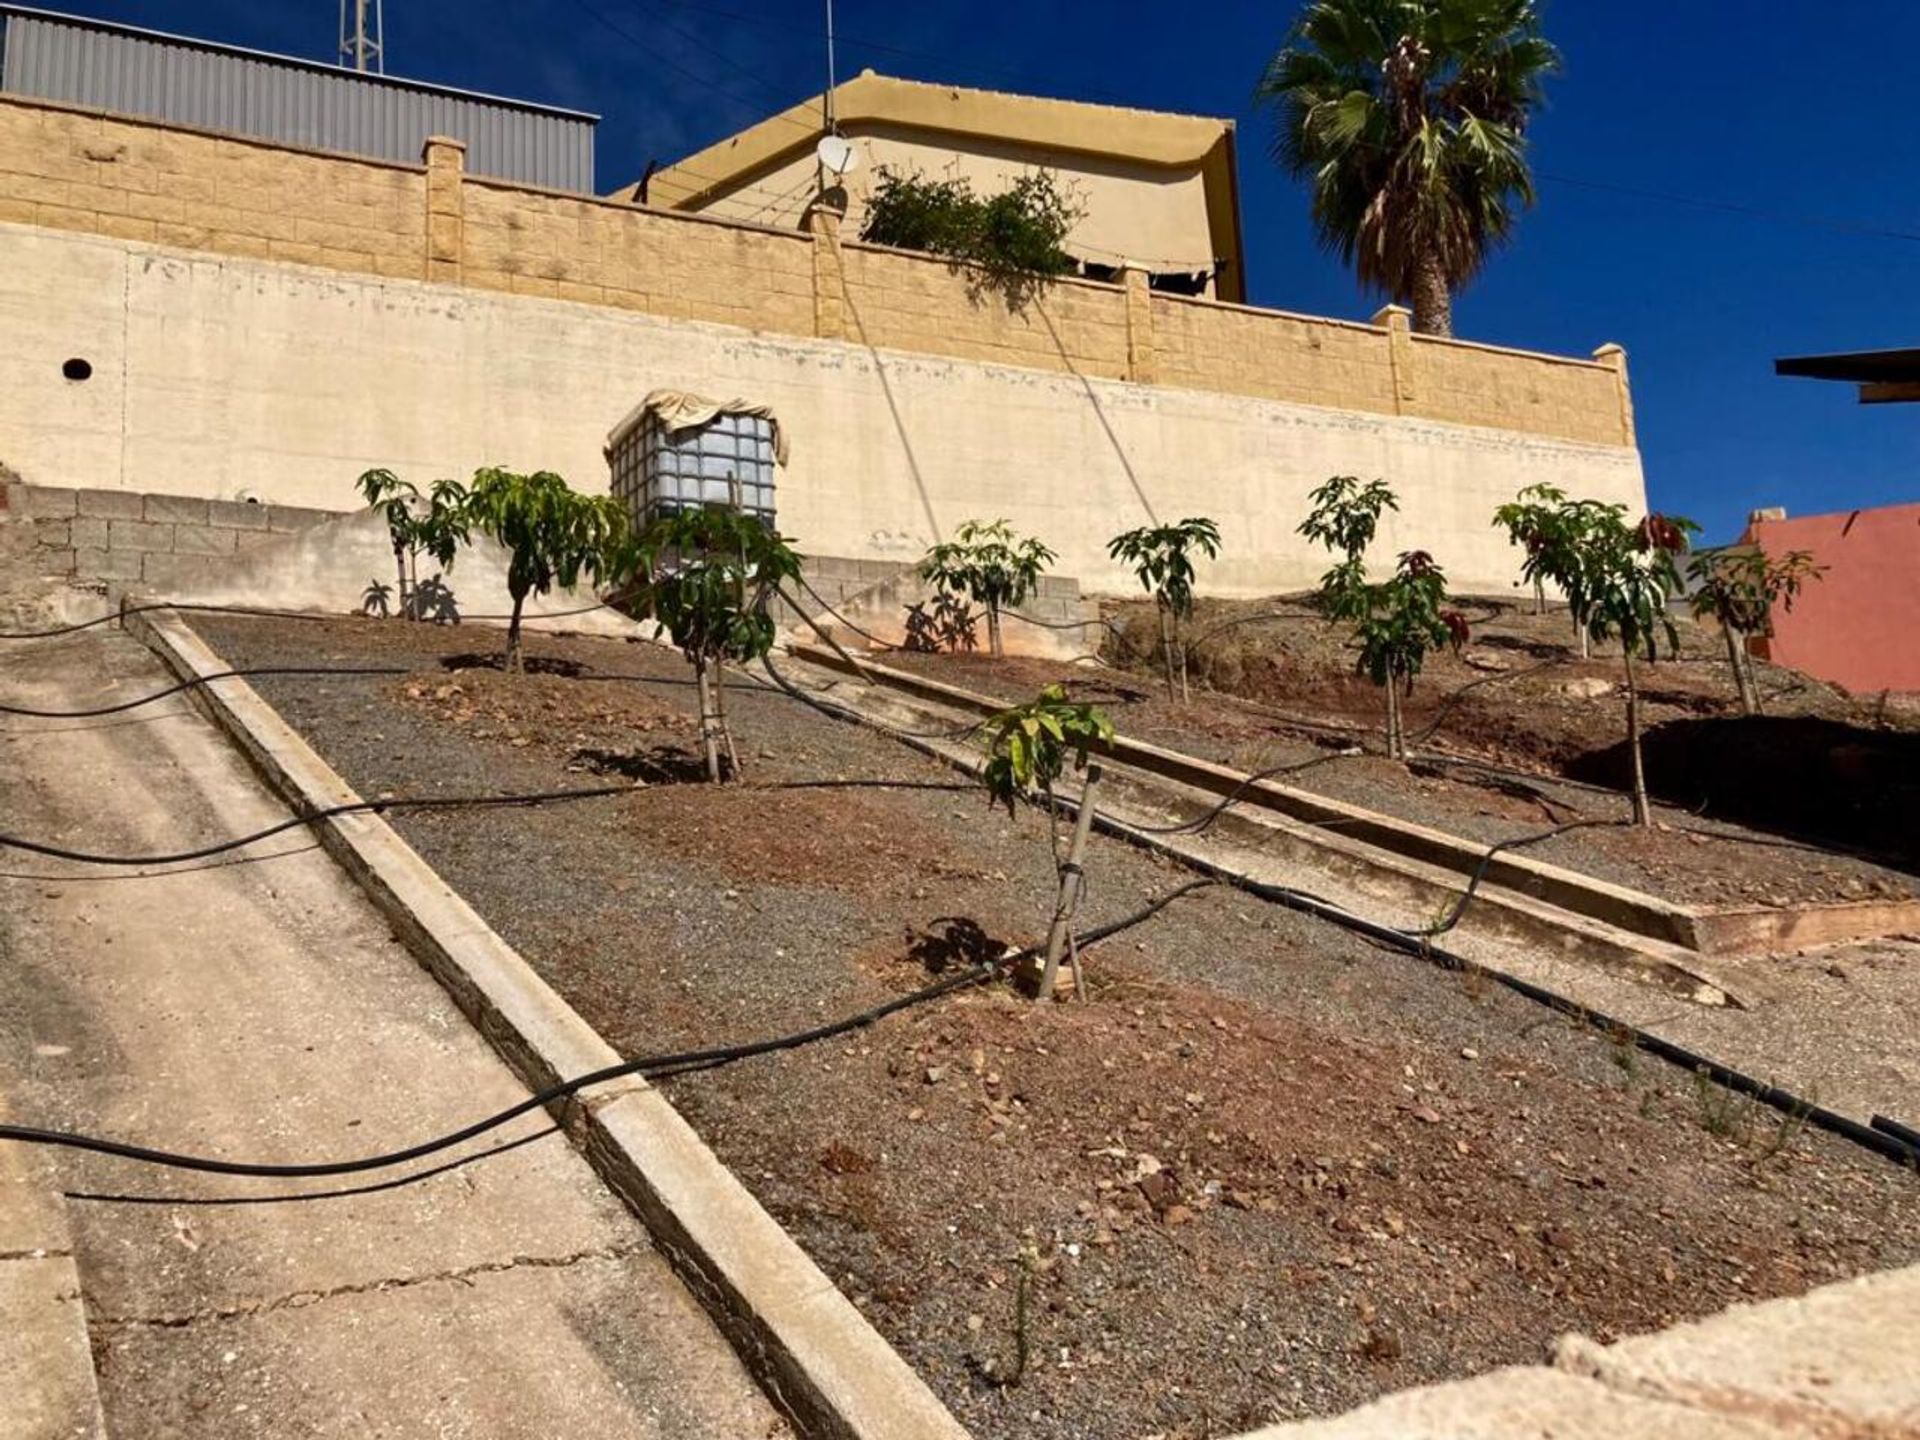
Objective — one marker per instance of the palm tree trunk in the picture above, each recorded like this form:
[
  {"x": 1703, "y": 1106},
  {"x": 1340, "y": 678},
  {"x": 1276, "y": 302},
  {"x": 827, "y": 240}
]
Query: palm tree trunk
[
  {"x": 1432, "y": 297},
  {"x": 1642, "y": 809}
]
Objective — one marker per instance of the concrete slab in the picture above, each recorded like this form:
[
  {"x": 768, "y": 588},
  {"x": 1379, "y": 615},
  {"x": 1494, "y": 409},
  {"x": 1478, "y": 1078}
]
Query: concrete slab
[
  {"x": 259, "y": 1008},
  {"x": 1843, "y": 1360},
  {"x": 46, "y": 1372},
  {"x": 1521, "y": 1404}
]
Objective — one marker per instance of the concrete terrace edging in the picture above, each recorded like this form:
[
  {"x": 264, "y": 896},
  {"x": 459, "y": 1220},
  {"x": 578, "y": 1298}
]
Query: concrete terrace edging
[
  {"x": 1730, "y": 934},
  {"x": 811, "y": 1350},
  {"x": 1499, "y": 912},
  {"x": 46, "y": 1358}
]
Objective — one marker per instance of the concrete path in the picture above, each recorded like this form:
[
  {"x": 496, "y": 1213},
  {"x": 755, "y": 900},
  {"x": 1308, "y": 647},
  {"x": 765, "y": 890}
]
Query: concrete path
[{"x": 262, "y": 1011}]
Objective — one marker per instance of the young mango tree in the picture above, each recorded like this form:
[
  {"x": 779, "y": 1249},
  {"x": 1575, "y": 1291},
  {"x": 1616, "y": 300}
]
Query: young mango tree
[
  {"x": 1622, "y": 583},
  {"x": 1028, "y": 749},
  {"x": 1162, "y": 556},
  {"x": 1345, "y": 517},
  {"x": 396, "y": 501},
  {"x": 1740, "y": 587},
  {"x": 552, "y": 534},
  {"x": 1398, "y": 623},
  {"x": 706, "y": 576},
  {"x": 989, "y": 564},
  {"x": 1532, "y": 520}
]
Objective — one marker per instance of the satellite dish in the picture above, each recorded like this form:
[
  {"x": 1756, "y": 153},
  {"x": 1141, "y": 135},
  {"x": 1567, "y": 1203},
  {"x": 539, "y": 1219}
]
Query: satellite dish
[{"x": 837, "y": 154}]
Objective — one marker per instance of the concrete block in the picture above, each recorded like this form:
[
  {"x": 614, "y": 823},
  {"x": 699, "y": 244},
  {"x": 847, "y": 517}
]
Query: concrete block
[
  {"x": 110, "y": 504},
  {"x": 39, "y": 500},
  {"x": 203, "y": 540},
  {"x": 291, "y": 519},
  {"x": 1836, "y": 1361},
  {"x": 88, "y": 533},
  {"x": 237, "y": 514},
  {"x": 173, "y": 572},
  {"x": 46, "y": 1366},
  {"x": 140, "y": 535},
  {"x": 97, "y": 563},
  {"x": 1521, "y": 1404},
  {"x": 55, "y": 562},
  {"x": 54, "y": 534},
  {"x": 178, "y": 509}
]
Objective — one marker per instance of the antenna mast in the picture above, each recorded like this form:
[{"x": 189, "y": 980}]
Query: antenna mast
[
  {"x": 361, "y": 31},
  {"x": 827, "y": 103}
]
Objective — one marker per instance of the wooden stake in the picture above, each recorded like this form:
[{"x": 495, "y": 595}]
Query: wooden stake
[
  {"x": 1071, "y": 877},
  {"x": 707, "y": 742}
]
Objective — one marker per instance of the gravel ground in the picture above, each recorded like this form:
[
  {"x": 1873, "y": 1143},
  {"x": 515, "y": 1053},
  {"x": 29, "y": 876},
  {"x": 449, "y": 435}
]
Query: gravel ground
[
  {"x": 1685, "y": 858},
  {"x": 1265, "y": 1172}
]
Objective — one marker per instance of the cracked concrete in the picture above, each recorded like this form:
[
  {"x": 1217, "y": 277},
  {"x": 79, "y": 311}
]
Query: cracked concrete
[{"x": 262, "y": 1011}]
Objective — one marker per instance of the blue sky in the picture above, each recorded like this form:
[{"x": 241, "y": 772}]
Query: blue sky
[{"x": 1798, "y": 110}]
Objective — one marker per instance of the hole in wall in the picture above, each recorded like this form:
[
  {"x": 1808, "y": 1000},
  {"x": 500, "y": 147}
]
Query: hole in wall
[{"x": 77, "y": 369}]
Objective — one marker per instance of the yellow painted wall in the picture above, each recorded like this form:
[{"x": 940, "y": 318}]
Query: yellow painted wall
[
  {"x": 1152, "y": 215},
  {"x": 72, "y": 170}
]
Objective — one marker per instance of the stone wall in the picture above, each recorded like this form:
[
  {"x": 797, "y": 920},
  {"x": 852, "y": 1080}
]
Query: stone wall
[
  {"x": 69, "y": 169},
  {"x": 161, "y": 543}
]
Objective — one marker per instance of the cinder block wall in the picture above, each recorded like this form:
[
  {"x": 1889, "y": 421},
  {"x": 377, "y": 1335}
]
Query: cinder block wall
[{"x": 157, "y": 542}]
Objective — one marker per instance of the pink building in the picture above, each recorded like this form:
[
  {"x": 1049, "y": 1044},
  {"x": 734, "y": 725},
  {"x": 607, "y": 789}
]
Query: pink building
[{"x": 1859, "y": 624}]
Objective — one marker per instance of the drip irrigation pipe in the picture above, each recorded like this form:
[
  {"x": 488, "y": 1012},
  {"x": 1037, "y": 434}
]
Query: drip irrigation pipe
[
  {"x": 263, "y": 614},
  {"x": 847, "y": 713},
  {"x": 652, "y": 1066},
  {"x": 355, "y": 807},
  {"x": 199, "y": 680}
]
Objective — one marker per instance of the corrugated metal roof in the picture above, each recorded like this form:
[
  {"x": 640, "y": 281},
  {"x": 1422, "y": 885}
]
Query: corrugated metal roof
[{"x": 286, "y": 99}]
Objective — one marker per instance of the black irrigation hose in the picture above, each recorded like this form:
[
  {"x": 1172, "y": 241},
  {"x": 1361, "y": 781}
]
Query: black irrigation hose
[
  {"x": 199, "y": 680},
  {"x": 254, "y": 611},
  {"x": 355, "y": 807},
  {"x": 653, "y": 1066}
]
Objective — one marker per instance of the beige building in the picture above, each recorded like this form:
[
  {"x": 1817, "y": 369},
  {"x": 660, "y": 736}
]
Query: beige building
[{"x": 1157, "y": 191}]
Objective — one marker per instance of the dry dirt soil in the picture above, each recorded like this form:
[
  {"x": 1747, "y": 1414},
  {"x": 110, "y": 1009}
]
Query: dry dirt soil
[
  {"x": 1811, "y": 802},
  {"x": 1264, "y": 1171}
]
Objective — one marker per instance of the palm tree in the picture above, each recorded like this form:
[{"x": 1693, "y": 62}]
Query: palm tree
[{"x": 1409, "y": 119}]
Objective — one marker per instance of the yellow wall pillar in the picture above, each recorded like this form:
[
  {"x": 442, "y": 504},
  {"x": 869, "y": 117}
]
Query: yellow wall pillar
[
  {"x": 1397, "y": 321},
  {"x": 829, "y": 284},
  {"x": 1614, "y": 357},
  {"x": 446, "y": 161},
  {"x": 1143, "y": 356}
]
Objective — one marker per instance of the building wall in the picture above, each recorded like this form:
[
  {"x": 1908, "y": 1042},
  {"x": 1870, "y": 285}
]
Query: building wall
[
  {"x": 1152, "y": 215},
  {"x": 1856, "y": 625},
  {"x": 81, "y": 171},
  {"x": 227, "y": 377}
]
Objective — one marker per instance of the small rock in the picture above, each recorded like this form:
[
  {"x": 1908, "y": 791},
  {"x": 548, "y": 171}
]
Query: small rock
[
  {"x": 1469, "y": 1053},
  {"x": 1426, "y": 1115},
  {"x": 1586, "y": 687},
  {"x": 935, "y": 1074},
  {"x": 1176, "y": 1215}
]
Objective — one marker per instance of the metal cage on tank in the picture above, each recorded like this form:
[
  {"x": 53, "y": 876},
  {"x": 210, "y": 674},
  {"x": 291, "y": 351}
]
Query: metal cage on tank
[{"x": 675, "y": 452}]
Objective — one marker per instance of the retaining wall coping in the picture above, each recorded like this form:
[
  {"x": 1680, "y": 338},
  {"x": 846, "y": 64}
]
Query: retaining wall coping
[{"x": 813, "y": 1351}]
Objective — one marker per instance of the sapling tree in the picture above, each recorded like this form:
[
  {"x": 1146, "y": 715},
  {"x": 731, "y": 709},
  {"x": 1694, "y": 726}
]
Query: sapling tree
[
  {"x": 552, "y": 534},
  {"x": 395, "y": 500},
  {"x": 989, "y": 564},
  {"x": 1623, "y": 578},
  {"x": 1532, "y": 520},
  {"x": 1398, "y": 623},
  {"x": 1028, "y": 749},
  {"x": 1739, "y": 587},
  {"x": 1162, "y": 556},
  {"x": 706, "y": 576},
  {"x": 1345, "y": 516}
]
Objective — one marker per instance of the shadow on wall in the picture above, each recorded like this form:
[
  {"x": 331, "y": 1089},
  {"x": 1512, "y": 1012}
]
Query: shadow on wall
[{"x": 1798, "y": 776}]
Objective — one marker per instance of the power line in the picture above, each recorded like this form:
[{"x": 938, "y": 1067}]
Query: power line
[{"x": 1781, "y": 217}]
